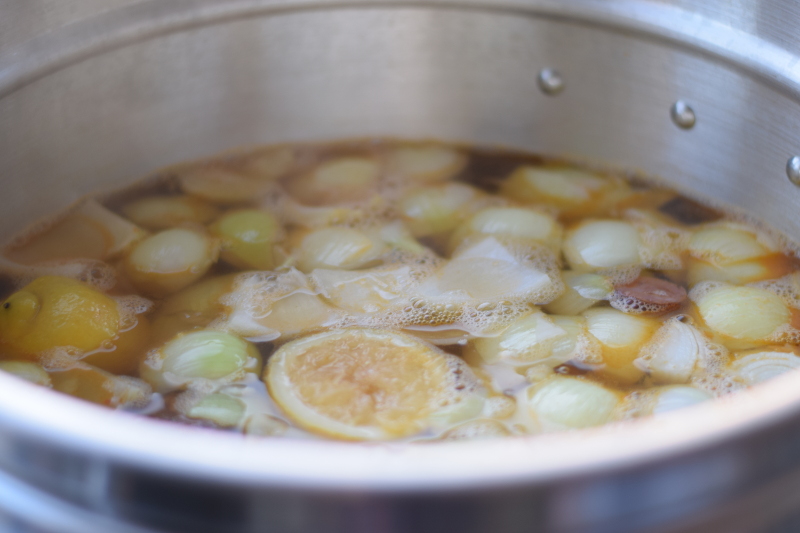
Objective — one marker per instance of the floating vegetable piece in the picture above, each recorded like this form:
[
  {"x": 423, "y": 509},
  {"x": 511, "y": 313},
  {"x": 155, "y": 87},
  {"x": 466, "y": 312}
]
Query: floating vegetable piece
[
  {"x": 487, "y": 270},
  {"x": 203, "y": 298},
  {"x": 339, "y": 181},
  {"x": 366, "y": 291},
  {"x": 89, "y": 231},
  {"x": 167, "y": 262},
  {"x": 397, "y": 237},
  {"x": 722, "y": 245},
  {"x": 264, "y": 425},
  {"x": 570, "y": 403},
  {"x": 622, "y": 336},
  {"x": 294, "y": 213},
  {"x": 673, "y": 353},
  {"x": 581, "y": 292},
  {"x": 338, "y": 248},
  {"x": 424, "y": 163},
  {"x": 55, "y": 311},
  {"x": 297, "y": 313},
  {"x": 646, "y": 295},
  {"x": 678, "y": 397},
  {"x": 201, "y": 360},
  {"x": 221, "y": 409},
  {"x": 741, "y": 313},
  {"x": 527, "y": 340},
  {"x": 477, "y": 429},
  {"x": 264, "y": 306},
  {"x": 659, "y": 400},
  {"x": 663, "y": 245},
  {"x": 571, "y": 190},
  {"x": 28, "y": 371},
  {"x": 164, "y": 212},
  {"x": 225, "y": 183},
  {"x": 434, "y": 210},
  {"x": 101, "y": 387},
  {"x": 270, "y": 164},
  {"x": 576, "y": 343},
  {"x": 513, "y": 222},
  {"x": 770, "y": 266},
  {"x": 247, "y": 237},
  {"x": 602, "y": 244},
  {"x": 760, "y": 365},
  {"x": 368, "y": 384}
]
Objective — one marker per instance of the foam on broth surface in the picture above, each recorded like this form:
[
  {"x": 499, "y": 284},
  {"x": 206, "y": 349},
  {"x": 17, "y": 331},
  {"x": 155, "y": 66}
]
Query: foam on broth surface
[{"x": 374, "y": 290}]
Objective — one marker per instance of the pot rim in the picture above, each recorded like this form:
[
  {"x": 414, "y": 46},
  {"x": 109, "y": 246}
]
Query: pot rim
[
  {"x": 166, "y": 447},
  {"x": 52, "y": 51}
]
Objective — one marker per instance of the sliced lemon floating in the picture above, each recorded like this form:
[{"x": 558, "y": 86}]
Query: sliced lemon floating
[{"x": 366, "y": 384}]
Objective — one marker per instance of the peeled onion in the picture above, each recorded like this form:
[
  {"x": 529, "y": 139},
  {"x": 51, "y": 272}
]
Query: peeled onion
[
  {"x": 567, "y": 188},
  {"x": 168, "y": 261},
  {"x": 767, "y": 267},
  {"x": 622, "y": 336},
  {"x": 477, "y": 429},
  {"x": 222, "y": 184},
  {"x": 673, "y": 353},
  {"x": 435, "y": 210},
  {"x": 742, "y": 313},
  {"x": 270, "y": 164},
  {"x": 247, "y": 238},
  {"x": 563, "y": 402},
  {"x": 297, "y": 214},
  {"x": 337, "y": 248},
  {"x": 510, "y": 222},
  {"x": 221, "y": 409},
  {"x": 602, "y": 244},
  {"x": 722, "y": 245},
  {"x": 565, "y": 346},
  {"x": 338, "y": 181},
  {"x": 581, "y": 292},
  {"x": 677, "y": 397},
  {"x": 425, "y": 163},
  {"x": 527, "y": 340},
  {"x": 760, "y": 365},
  {"x": 28, "y": 371},
  {"x": 90, "y": 231},
  {"x": 162, "y": 212},
  {"x": 202, "y": 360}
]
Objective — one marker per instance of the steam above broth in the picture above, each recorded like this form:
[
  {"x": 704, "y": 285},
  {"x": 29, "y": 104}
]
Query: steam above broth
[{"x": 378, "y": 290}]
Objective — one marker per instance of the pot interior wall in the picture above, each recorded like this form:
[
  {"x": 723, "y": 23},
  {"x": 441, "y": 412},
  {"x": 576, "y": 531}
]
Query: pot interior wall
[{"x": 404, "y": 72}]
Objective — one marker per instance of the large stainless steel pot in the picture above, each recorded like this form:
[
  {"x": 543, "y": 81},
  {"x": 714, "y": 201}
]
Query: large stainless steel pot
[{"x": 115, "y": 94}]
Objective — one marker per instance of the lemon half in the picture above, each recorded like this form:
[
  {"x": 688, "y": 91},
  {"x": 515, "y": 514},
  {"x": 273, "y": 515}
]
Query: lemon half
[{"x": 366, "y": 384}]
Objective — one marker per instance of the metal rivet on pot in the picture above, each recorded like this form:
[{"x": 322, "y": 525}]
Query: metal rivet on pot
[
  {"x": 793, "y": 170},
  {"x": 550, "y": 81},
  {"x": 682, "y": 115}
]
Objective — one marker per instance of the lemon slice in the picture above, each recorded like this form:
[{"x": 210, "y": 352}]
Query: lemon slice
[{"x": 366, "y": 384}]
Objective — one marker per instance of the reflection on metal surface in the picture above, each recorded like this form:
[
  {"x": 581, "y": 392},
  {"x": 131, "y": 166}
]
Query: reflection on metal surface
[
  {"x": 550, "y": 81},
  {"x": 793, "y": 170},
  {"x": 682, "y": 115}
]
